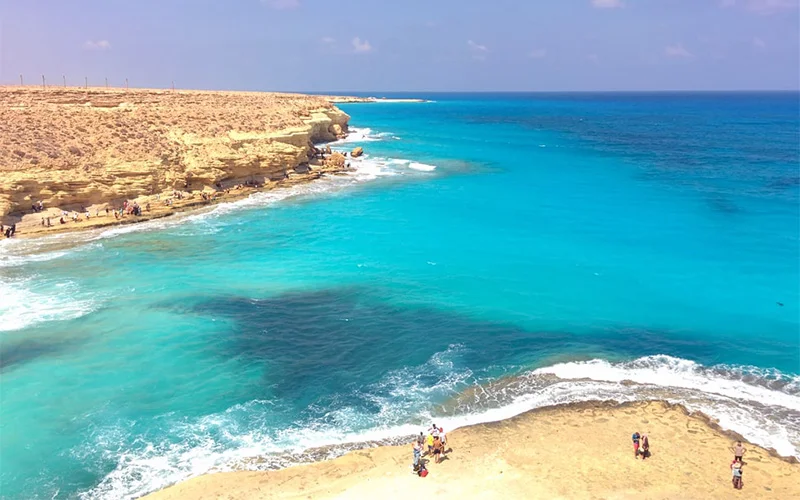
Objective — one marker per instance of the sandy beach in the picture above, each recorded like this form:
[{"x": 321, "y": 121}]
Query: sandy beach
[{"x": 571, "y": 451}]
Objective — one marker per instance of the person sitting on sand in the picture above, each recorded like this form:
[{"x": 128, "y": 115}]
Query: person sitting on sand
[
  {"x": 62, "y": 221},
  {"x": 736, "y": 473},
  {"x": 636, "y": 436},
  {"x": 738, "y": 452},
  {"x": 438, "y": 449}
]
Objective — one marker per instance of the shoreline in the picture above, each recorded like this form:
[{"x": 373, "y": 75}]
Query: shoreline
[
  {"x": 190, "y": 204},
  {"x": 503, "y": 457}
]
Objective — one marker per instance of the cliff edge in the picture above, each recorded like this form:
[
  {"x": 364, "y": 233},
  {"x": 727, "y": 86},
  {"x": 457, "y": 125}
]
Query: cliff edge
[{"x": 71, "y": 148}]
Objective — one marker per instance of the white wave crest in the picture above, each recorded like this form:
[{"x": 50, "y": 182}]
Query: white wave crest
[
  {"x": 423, "y": 167},
  {"x": 25, "y": 304},
  {"x": 667, "y": 371},
  {"x": 356, "y": 134}
]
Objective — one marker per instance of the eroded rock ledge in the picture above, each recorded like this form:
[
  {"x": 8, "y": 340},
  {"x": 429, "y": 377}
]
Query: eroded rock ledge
[{"x": 78, "y": 147}]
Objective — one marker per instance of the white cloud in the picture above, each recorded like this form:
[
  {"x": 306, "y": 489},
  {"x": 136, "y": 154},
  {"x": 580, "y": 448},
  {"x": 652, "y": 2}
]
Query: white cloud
[
  {"x": 607, "y": 4},
  {"x": 282, "y": 4},
  {"x": 759, "y": 43},
  {"x": 538, "y": 53},
  {"x": 96, "y": 45},
  {"x": 361, "y": 46},
  {"x": 762, "y": 7},
  {"x": 677, "y": 50},
  {"x": 478, "y": 51},
  {"x": 327, "y": 40}
]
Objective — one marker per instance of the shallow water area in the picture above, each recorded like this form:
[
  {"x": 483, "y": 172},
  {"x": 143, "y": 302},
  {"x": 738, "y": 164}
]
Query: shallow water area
[{"x": 489, "y": 254}]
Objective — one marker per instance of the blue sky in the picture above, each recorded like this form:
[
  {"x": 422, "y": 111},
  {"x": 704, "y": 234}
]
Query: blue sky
[{"x": 411, "y": 45}]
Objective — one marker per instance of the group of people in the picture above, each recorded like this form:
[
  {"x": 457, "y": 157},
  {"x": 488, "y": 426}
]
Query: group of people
[
  {"x": 736, "y": 465},
  {"x": 38, "y": 207},
  {"x": 641, "y": 445},
  {"x": 436, "y": 443},
  {"x": 9, "y": 231}
]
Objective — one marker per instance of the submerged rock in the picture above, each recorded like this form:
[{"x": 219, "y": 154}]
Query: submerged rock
[{"x": 357, "y": 152}]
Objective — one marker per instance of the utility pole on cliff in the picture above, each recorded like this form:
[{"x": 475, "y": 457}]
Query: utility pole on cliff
[
  {"x": 106, "y": 82},
  {"x": 86, "y": 81},
  {"x": 126, "y": 84},
  {"x": 43, "y": 85},
  {"x": 173, "y": 85},
  {"x": 20, "y": 81},
  {"x": 65, "y": 80}
]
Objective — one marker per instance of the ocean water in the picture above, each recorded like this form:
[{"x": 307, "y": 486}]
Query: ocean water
[{"x": 490, "y": 255}]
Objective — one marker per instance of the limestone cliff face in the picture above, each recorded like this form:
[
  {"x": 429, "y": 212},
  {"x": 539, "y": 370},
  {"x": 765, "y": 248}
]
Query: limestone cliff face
[{"x": 77, "y": 147}]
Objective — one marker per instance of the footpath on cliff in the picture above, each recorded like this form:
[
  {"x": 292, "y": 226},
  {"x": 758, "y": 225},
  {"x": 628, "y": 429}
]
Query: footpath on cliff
[{"x": 70, "y": 151}]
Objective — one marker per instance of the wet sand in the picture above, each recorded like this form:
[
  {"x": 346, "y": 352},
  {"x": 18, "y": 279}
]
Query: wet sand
[{"x": 571, "y": 451}]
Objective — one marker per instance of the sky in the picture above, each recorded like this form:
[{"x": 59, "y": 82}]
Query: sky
[{"x": 405, "y": 45}]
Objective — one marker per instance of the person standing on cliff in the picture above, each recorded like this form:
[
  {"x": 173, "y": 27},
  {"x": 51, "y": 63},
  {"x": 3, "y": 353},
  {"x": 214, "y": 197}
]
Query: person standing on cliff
[{"x": 738, "y": 451}]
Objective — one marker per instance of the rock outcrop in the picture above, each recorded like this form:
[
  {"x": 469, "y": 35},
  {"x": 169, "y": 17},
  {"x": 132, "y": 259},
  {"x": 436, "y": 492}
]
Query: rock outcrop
[
  {"x": 357, "y": 152},
  {"x": 71, "y": 147},
  {"x": 335, "y": 160}
]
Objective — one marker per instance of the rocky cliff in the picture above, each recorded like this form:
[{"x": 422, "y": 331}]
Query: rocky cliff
[{"x": 77, "y": 147}]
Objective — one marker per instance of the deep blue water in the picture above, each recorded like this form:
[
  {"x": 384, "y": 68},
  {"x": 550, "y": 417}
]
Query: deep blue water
[{"x": 563, "y": 243}]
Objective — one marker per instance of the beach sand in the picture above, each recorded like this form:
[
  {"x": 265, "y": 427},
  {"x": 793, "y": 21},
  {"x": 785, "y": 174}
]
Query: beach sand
[{"x": 571, "y": 451}]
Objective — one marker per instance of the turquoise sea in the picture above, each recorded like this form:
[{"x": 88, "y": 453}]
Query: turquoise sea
[{"x": 541, "y": 247}]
